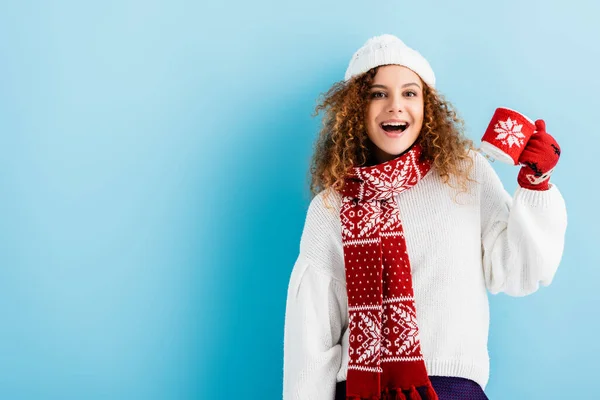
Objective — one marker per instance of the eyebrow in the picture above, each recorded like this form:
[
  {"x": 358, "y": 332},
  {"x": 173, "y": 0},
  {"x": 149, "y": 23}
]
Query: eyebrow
[{"x": 405, "y": 85}]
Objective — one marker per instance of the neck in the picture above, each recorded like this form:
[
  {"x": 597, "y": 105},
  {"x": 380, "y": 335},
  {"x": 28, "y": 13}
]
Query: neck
[{"x": 377, "y": 156}]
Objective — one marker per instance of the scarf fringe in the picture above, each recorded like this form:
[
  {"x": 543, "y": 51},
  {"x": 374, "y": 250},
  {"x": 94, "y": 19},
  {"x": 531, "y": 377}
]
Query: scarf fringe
[
  {"x": 398, "y": 394},
  {"x": 431, "y": 394},
  {"x": 413, "y": 394}
]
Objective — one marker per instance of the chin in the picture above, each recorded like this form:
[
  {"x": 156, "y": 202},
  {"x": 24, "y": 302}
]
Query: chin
[
  {"x": 388, "y": 147},
  {"x": 395, "y": 149}
]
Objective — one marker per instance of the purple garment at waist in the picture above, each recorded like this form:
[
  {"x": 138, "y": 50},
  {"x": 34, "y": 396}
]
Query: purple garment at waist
[{"x": 446, "y": 387}]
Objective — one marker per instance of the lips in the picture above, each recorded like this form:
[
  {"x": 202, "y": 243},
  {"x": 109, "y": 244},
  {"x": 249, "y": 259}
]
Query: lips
[
  {"x": 394, "y": 133},
  {"x": 394, "y": 126},
  {"x": 393, "y": 120}
]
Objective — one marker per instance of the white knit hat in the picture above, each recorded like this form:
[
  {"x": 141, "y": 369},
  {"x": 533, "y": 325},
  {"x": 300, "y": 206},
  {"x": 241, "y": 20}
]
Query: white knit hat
[{"x": 388, "y": 49}]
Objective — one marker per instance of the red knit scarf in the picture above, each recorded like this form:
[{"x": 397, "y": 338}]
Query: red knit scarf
[{"x": 385, "y": 356}]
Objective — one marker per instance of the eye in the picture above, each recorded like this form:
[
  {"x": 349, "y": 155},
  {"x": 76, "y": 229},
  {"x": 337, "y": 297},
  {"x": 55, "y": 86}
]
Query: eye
[{"x": 409, "y": 93}]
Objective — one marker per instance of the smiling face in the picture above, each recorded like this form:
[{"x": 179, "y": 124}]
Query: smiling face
[{"x": 394, "y": 114}]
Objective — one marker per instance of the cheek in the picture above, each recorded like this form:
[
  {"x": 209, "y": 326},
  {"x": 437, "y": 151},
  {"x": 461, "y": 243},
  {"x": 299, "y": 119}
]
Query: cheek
[
  {"x": 370, "y": 111},
  {"x": 418, "y": 113},
  {"x": 370, "y": 116}
]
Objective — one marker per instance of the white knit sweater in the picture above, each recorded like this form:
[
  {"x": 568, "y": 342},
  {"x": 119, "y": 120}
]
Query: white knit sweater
[{"x": 457, "y": 251}]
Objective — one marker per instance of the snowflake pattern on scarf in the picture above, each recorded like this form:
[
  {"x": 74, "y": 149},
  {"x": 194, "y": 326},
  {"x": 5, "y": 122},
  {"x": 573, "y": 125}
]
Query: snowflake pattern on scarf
[{"x": 382, "y": 319}]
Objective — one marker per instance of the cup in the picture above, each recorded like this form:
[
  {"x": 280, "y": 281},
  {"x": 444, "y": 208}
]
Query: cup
[{"x": 507, "y": 135}]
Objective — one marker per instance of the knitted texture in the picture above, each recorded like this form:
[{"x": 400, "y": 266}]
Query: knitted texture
[
  {"x": 388, "y": 49},
  {"x": 507, "y": 135},
  {"x": 385, "y": 353},
  {"x": 539, "y": 158},
  {"x": 461, "y": 246}
]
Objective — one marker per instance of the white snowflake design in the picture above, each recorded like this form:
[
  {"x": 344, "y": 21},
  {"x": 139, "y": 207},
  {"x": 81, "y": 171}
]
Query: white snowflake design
[
  {"x": 404, "y": 325},
  {"x": 397, "y": 341},
  {"x": 366, "y": 328},
  {"x": 370, "y": 216},
  {"x": 395, "y": 182},
  {"x": 509, "y": 133}
]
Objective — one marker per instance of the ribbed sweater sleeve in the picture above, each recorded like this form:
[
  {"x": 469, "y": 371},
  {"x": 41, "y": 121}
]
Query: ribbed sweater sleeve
[
  {"x": 522, "y": 237},
  {"x": 315, "y": 313}
]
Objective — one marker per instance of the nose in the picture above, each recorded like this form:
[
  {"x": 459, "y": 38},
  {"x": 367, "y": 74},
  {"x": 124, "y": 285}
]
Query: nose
[{"x": 396, "y": 103}]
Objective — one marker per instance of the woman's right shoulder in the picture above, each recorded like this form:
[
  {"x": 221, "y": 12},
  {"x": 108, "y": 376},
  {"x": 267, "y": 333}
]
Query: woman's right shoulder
[
  {"x": 322, "y": 237},
  {"x": 323, "y": 214},
  {"x": 327, "y": 201}
]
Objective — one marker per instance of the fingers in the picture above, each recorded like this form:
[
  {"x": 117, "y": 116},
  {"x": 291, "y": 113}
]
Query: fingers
[{"x": 540, "y": 125}]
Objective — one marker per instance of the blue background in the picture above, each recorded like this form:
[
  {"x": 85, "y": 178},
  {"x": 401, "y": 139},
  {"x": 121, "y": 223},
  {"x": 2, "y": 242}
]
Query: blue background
[{"x": 153, "y": 168}]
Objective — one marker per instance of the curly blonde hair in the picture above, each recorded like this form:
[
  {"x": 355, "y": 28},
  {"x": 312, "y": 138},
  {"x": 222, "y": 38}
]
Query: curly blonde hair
[{"x": 343, "y": 142}]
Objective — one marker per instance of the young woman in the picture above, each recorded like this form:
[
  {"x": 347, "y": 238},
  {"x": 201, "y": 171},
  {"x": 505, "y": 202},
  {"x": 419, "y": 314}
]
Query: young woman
[{"x": 408, "y": 229}]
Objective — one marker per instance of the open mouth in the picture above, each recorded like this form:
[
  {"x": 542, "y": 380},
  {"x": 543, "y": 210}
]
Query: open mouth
[{"x": 395, "y": 126}]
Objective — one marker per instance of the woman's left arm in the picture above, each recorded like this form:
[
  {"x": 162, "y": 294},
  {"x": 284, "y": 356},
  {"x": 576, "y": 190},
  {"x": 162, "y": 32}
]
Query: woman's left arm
[{"x": 523, "y": 237}]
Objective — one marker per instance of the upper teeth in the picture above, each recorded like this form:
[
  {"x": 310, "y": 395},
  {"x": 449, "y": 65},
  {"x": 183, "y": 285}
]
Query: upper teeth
[{"x": 395, "y": 123}]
